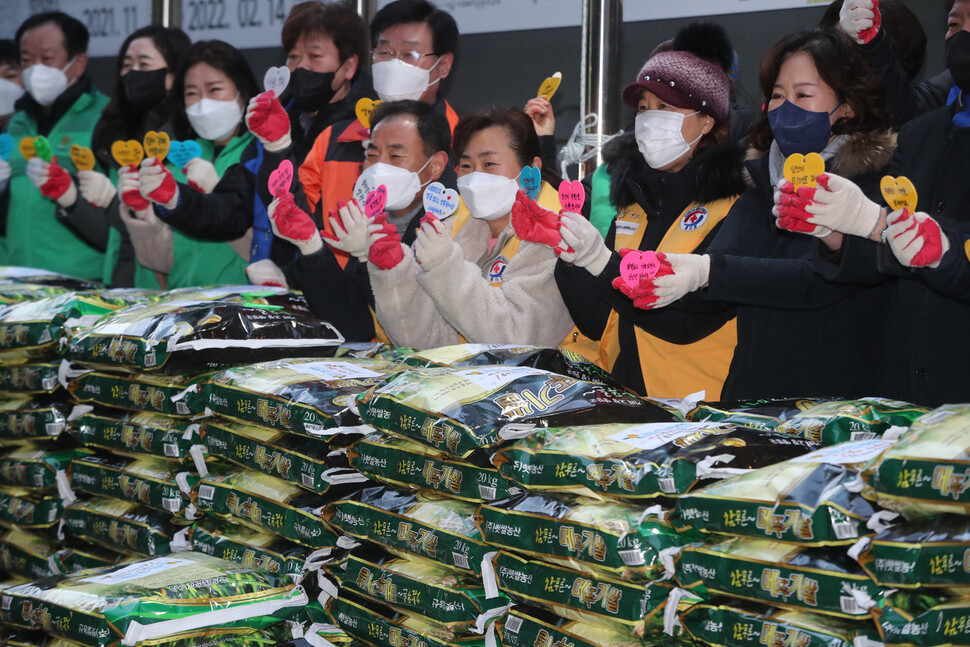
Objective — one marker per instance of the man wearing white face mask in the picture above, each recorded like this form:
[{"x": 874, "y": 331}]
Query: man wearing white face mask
[{"x": 62, "y": 105}]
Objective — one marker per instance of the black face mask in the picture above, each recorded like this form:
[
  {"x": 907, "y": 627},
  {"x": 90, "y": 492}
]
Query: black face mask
[
  {"x": 311, "y": 91},
  {"x": 145, "y": 90},
  {"x": 958, "y": 59}
]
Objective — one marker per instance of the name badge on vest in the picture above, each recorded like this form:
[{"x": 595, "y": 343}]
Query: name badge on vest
[
  {"x": 626, "y": 228},
  {"x": 694, "y": 219}
]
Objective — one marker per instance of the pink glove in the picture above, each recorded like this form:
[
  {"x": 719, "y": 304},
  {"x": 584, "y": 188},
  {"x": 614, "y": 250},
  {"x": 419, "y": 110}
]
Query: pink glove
[
  {"x": 534, "y": 223},
  {"x": 267, "y": 120},
  {"x": 292, "y": 224},
  {"x": 386, "y": 250},
  {"x": 643, "y": 294},
  {"x": 130, "y": 190},
  {"x": 157, "y": 183},
  {"x": 916, "y": 239}
]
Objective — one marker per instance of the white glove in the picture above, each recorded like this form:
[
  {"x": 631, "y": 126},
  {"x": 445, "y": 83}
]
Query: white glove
[
  {"x": 690, "y": 272},
  {"x": 61, "y": 188},
  {"x": 588, "y": 248},
  {"x": 433, "y": 244},
  {"x": 350, "y": 231},
  {"x": 96, "y": 188},
  {"x": 916, "y": 239},
  {"x": 157, "y": 184},
  {"x": 201, "y": 175},
  {"x": 840, "y": 205},
  {"x": 152, "y": 239},
  {"x": 266, "y": 272},
  {"x": 856, "y": 16}
]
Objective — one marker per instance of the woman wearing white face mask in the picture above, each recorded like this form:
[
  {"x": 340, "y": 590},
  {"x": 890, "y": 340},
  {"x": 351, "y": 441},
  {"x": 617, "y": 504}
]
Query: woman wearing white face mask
[
  {"x": 471, "y": 278},
  {"x": 671, "y": 182}
]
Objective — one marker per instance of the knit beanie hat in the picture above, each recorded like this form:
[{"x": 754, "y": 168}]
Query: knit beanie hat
[{"x": 693, "y": 73}]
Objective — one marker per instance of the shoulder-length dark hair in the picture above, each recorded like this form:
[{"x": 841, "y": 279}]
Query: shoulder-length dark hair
[
  {"x": 223, "y": 57},
  {"x": 120, "y": 120},
  {"x": 842, "y": 65},
  {"x": 522, "y": 136}
]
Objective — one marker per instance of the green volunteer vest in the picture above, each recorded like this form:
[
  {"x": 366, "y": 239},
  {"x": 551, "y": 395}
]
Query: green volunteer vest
[{"x": 36, "y": 237}]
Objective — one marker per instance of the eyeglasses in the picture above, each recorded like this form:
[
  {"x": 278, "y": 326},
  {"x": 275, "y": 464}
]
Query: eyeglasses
[{"x": 411, "y": 57}]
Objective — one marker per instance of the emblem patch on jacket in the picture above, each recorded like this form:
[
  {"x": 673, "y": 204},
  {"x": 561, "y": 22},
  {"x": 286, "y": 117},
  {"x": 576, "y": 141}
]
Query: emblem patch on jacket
[{"x": 694, "y": 219}]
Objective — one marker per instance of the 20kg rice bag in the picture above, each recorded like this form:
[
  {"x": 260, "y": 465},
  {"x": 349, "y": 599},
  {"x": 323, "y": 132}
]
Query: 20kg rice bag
[
  {"x": 640, "y": 461},
  {"x": 308, "y": 463},
  {"x": 917, "y": 554},
  {"x": 75, "y": 558},
  {"x": 529, "y": 627},
  {"x": 815, "y": 499},
  {"x": 121, "y": 525},
  {"x": 29, "y": 555},
  {"x": 928, "y": 470},
  {"x": 187, "y": 336},
  {"x": 147, "y": 481},
  {"x": 611, "y": 539},
  {"x": 29, "y": 378},
  {"x": 911, "y": 619},
  {"x": 185, "y": 596},
  {"x": 461, "y": 410},
  {"x": 251, "y": 548},
  {"x": 28, "y": 508},
  {"x": 404, "y": 463},
  {"x": 24, "y": 418},
  {"x": 429, "y": 526},
  {"x": 35, "y": 466},
  {"x": 149, "y": 393},
  {"x": 840, "y": 421},
  {"x": 381, "y": 627},
  {"x": 756, "y": 414},
  {"x": 137, "y": 434},
  {"x": 304, "y": 396}
]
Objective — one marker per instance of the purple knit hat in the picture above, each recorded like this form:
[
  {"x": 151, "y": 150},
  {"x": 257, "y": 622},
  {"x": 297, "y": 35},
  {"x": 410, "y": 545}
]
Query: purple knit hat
[{"x": 684, "y": 80}]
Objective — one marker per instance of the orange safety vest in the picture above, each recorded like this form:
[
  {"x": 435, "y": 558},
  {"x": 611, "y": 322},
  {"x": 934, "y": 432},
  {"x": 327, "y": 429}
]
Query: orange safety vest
[{"x": 675, "y": 370}]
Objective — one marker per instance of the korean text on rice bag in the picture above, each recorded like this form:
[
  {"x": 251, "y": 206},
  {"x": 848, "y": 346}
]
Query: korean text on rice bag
[
  {"x": 137, "y": 434},
  {"x": 815, "y": 499},
  {"x": 305, "y": 396},
  {"x": 148, "y": 393},
  {"x": 381, "y": 627},
  {"x": 147, "y": 481},
  {"x": 526, "y": 627},
  {"x": 640, "y": 461},
  {"x": 840, "y": 421},
  {"x": 29, "y": 378},
  {"x": 121, "y": 525},
  {"x": 186, "y": 336},
  {"x": 24, "y": 418},
  {"x": 34, "y": 466},
  {"x": 614, "y": 539},
  {"x": 429, "y": 526},
  {"x": 913, "y": 619},
  {"x": 461, "y": 410},
  {"x": 185, "y": 596},
  {"x": 405, "y": 463},
  {"x": 29, "y": 555},
  {"x": 251, "y": 548},
  {"x": 918, "y": 554},
  {"x": 28, "y": 508}
]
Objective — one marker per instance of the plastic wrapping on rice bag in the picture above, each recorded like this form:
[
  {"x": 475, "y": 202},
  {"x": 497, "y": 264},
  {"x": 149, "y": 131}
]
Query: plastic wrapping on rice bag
[
  {"x": 266, "y": 503},
  {"x": 454, "y": 601},
  {"x": 815, "y": 499},
  {"x": 401, "y": 462},
  {"x": 14, "y": 292},
  {"x": 931, "y": 619},
  {"x": 528, "y": 627},
  {"x": 381, "y": 627},
  {"x": 190, "y": 337},
  {"x": 432, "y": 527},
  {"x": 756, "y": 414},
  {"x": 251, "y": 548},
  {"x": 839, "y": 421},
  {"x": 18, "y": 274},
  {"x": 638, "y": 608},
  {"x": 164, "y": 394},
  {"x": 189, "y": 596},
  {"x": 308, "y": 463},
  {"x": 304, "y": 396},
  {"x": 26, "y": 418},
  {"x": 928, "y": 470},
  {"x": 461, "y": 410},
  {"x": 264, "y": 295},
  {"x": 731, "y": 623},
  {"x": 640, "y": 461},
  {"x": 29, "y": 555},
  {"x": 614, "y": 539},
  {"x": 34, "y": 466},
  {"x": 35, "y": 328},
  {"x": 554, "y": 360},
  {"x": 823, "y": 580},
  {"x": 28, "y": 508},
  {"x": 29, "y": 378},
  {"x": 151, "y": 482},
  {"x": 138, "y": 434},
  {"x": 121, "y": 525},
  {"x": 75, "y": 558}
]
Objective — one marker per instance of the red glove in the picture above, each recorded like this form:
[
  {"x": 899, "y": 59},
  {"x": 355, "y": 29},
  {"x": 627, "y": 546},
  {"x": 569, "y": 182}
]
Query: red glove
[
  {"x": 129, "y": 189},
  {"x": 791, "y": 212},
  {"x": 292, "y": 224},
  {"x": 267, "y": 119},
  {"x": 57, "y": 183},
  {"x": 385, "y": 250},
  {"x": 916, "y": 239},
  {"x": 157, "y": 183},
  {"x": 643, "y": 293},
  {"x": 534, "y": 223},
  {"x": 866, "y": 35}
]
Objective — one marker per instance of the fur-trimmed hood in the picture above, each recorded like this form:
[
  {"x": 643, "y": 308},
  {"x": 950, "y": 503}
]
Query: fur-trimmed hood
[{"x": 718, "y": 170}]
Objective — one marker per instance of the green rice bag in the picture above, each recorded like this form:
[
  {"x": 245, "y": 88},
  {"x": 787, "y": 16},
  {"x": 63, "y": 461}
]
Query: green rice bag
[
  {"x": 405, "y": 463},
  {"x": 265, "y": 503},
  {"x": 411, "y": 585},
  {"x": 251, "y": 548},
  {"x": 121, "y": 525},
  {"x": 822, "y": 580},
  {"x": 75, "y": 558},
  {"x": 29, "y": 378},
  {"x": 305, "y": 396},
  {"x": 33, "y": 466},
  {"x": 928, "y": 470},
  {"x": 578, "y": 596},
  {"x": 23, "y": 417},
  {"x": 309, "y": 463},
  {"x": 908, "y": 619},
  {"x": 525, "y": 626},
  {"x": 839, "y": 421},
  {"x": 191, "y": 336},
  {"x": 137, "y": 434},
  {"x": 756, "y": 414},
  {"x": 163, "y": 394},
  {"x": 612, "y": 539},
  {"x": 429, "y": 526},
  {"x": 729, "y": 623},
  {"x": 270, "y": 637},
  {"x": 185, "y": 596},
  {"x": 461, "y": 410},
  {"x": 918, "y": 554},
  {"x": 815, "y": 499},
  {"x": 150, "y": 482},
  {"x": 640, "y": 461},
  {"x": 28, "y": 555},
  {"x": 29, "y": 508},
  {"x": 381, "y": 627}
]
